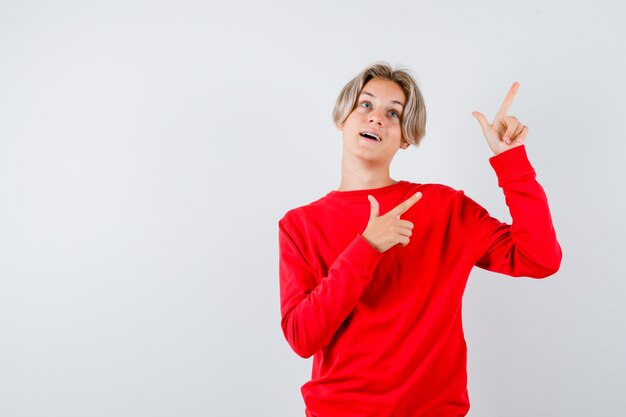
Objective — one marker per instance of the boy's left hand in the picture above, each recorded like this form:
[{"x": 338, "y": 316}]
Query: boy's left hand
[{"x": 505, "y": 132}]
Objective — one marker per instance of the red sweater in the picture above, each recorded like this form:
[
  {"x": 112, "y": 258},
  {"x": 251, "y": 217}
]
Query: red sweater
[{"x": 385, "y": 329}]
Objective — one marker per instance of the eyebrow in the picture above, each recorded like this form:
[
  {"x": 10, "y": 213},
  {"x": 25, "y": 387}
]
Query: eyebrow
[{"x": 393, "y": 101}]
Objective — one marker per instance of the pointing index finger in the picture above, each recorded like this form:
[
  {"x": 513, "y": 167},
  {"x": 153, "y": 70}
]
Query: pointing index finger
[
  {"x": 405, "y": 205},
  {"x": 508, "y": 100}
]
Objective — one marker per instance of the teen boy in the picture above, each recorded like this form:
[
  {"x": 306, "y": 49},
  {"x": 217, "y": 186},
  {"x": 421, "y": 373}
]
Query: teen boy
[{"x": 372, "y": 274}]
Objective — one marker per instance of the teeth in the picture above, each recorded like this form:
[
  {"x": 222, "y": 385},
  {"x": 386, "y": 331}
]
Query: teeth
[{"x": 374, "y": 135}]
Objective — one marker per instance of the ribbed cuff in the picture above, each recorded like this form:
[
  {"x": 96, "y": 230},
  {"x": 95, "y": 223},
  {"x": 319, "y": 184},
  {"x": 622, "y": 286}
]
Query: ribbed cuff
[
  {"x": 362, "y": 256},
  {"x": 512, "y": 165}
]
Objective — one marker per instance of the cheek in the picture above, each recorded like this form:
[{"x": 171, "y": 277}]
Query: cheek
[{"x": 354, "y": 120}]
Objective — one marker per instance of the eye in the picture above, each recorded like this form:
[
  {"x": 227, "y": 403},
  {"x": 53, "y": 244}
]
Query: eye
[
  {"x": 394, "y": 113},
  {"x": 363, "y": 103}
]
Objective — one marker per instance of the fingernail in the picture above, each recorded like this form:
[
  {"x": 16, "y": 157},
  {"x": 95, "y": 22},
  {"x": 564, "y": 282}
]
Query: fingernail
[{"x": 507, "y": 139}]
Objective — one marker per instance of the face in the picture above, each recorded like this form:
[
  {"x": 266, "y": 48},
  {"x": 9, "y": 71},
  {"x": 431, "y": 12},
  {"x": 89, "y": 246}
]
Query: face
[{"x": 378, "y": 112}]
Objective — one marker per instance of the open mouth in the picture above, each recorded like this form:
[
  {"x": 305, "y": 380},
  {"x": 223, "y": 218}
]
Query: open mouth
[{"x": 370, "y": 135}]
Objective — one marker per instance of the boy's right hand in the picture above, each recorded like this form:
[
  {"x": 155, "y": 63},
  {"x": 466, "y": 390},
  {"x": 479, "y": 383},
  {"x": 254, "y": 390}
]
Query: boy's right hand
[{"x": 383, "y": 232}]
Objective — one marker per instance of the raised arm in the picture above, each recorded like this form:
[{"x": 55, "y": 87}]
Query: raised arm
[{"x": 527, "y": 247}]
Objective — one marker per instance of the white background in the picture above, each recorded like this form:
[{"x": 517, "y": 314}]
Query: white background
[{"x": 148, "y": 150}]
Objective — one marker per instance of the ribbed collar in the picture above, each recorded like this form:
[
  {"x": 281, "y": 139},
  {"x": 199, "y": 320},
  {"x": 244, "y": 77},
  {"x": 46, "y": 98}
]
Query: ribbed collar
[{"x": 354, "y": 194}]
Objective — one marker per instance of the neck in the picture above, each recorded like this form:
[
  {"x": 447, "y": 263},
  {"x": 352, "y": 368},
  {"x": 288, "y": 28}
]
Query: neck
[{"x": 362, "y": 175}]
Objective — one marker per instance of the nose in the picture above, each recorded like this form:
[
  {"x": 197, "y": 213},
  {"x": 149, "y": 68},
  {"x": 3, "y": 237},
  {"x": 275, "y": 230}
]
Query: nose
[{"x": 376, "y": 118}]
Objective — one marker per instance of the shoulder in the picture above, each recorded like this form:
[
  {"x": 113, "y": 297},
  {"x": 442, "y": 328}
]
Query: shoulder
[
  {"x": 445, "y": 202},
  {"x": 440, "y": 189},
  {"x": 439, "y": 192},
  {"x": 302, "y": 214}
]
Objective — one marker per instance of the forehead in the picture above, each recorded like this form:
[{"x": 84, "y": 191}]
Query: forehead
[{"x": 384, "y": 90}]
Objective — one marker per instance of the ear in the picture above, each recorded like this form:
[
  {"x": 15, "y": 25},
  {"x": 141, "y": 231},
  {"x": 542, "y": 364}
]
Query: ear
[
  {"x": 339, "y": 127},
  {"x": 404, "y": 144}
]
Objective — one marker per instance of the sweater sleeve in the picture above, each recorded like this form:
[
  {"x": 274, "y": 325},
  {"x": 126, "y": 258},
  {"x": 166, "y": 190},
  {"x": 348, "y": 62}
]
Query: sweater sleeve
[
  {"x": 527, "y": 247},
  {"x": 310, "y": 313}
]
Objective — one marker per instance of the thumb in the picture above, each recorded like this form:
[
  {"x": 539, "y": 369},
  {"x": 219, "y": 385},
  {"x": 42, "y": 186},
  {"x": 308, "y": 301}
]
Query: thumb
[
  {"x": 373, "y": 207},
  {"x": 482, "y": 120}
]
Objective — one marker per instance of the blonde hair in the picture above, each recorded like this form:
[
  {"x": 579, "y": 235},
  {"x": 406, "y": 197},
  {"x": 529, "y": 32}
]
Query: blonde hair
[{"x": 413, "y": 117}]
